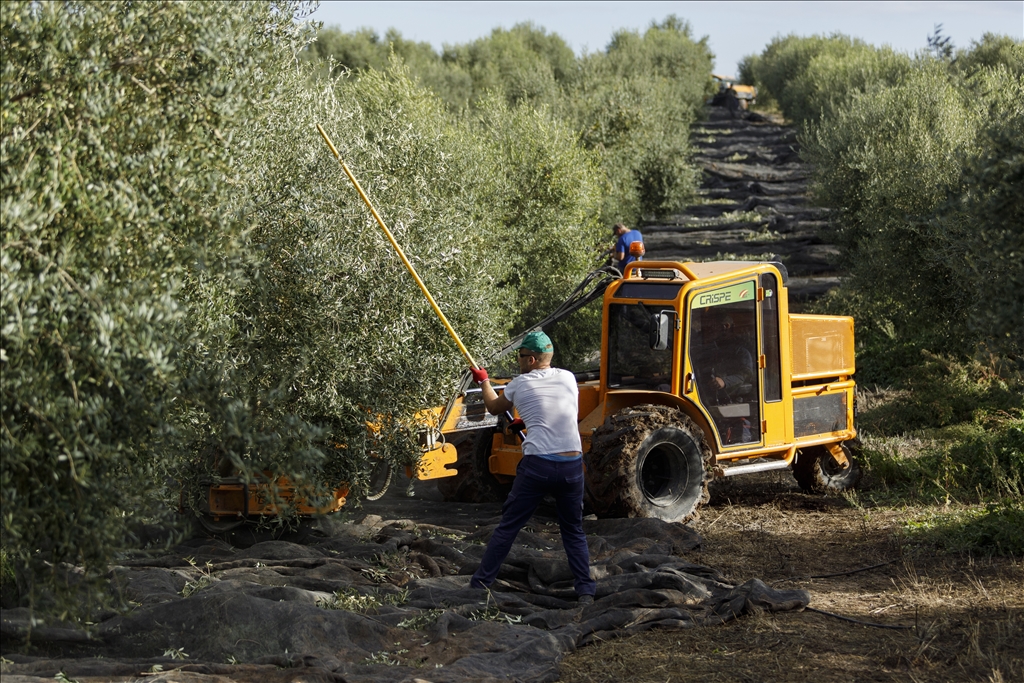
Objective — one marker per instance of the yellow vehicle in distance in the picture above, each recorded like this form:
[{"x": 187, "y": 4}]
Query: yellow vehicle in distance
[{"x": 746, "y": 94}]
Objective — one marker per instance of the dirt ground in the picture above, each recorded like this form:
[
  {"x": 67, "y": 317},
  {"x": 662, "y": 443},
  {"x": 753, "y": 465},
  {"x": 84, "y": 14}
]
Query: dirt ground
[{"x": 939, "y": 617}]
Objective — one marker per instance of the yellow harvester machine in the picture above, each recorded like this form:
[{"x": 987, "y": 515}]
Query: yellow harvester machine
[
  {"x": 657, "y": 424},
  {"x": 704, "y": 372}
]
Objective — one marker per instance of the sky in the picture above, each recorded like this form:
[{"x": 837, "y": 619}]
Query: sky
[{"x": 734, "y": 29}]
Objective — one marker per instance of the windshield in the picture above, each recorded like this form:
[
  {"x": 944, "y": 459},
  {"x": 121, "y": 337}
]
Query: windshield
[{"x": 631, "y": 361}]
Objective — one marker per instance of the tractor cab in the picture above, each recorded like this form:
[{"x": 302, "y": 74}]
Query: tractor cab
[{"x": 705, "y": 333}]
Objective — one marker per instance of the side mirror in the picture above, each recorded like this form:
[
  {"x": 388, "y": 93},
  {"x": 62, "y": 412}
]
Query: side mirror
[{"x": 661, "y": 328}]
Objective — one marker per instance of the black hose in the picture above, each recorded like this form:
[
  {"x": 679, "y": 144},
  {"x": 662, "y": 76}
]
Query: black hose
[
  {"x": 585, "y": 292},
  {"x": 579, "y": 298}
]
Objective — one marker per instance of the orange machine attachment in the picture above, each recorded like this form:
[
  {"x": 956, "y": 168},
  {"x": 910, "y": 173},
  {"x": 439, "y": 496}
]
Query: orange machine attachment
[{"x": 235, "y": 499}]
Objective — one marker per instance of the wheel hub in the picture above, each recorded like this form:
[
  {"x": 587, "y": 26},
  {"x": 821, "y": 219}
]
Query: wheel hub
[{"x": 662, "y": 474}]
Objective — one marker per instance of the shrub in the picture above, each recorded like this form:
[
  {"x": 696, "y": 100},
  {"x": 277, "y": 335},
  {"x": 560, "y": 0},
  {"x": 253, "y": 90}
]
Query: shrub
[
  {"x": 944, "y": 391},
  {"x": 886, "y": 162},
  {"x": 977, "y": 454},
  {"x": 524, "y": 65},
  {"x": 980, "y": 223},
  {"x": 630, "y": 105},
  {"x": 991, "y": 52},
  {"x": 920, "y": 158},
  {"x": 633, "y": 104}
]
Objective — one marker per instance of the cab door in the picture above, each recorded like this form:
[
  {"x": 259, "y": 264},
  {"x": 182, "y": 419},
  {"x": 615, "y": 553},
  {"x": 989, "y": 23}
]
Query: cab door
[
  {"x": 723, "y": 357},
  {"x": 773, "y": 423}
]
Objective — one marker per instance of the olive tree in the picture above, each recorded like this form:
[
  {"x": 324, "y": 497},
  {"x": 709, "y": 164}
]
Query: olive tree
[
  {"x": 491, "y": 212},
  {"x": 633, "y": 105},
  {"x": 812, "y": 77},
  {"x": 980, "y": 223},
  {"x": 886, "y": 162},
  {"x": 629, "y": 105},
  {"x": 117, "y": 161},
  {"x": 922, "y": 173}
]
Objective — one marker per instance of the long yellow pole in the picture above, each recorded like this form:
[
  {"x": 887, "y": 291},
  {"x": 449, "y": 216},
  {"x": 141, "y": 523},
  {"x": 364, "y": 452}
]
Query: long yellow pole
[{"x": 401, "y": 254}]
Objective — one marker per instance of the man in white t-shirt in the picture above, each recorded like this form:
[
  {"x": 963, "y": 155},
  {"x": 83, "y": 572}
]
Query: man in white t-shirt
[{"x": 547, "y": 400}]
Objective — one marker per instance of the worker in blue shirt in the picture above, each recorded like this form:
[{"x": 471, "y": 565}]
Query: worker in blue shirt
[{"x": 622, "y": 250}]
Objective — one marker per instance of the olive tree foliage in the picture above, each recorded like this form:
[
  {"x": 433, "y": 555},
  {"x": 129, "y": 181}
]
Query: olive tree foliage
[
  {"x": 633, "y": 104},
  {"x": 191, "y": 285},
  {"x": 335, "y": 51},
  {"x": 886, "y": 162},
  {"x": 917, "y": 156},
  {"x": 117, "y": 161},
  {"x": 812, "y": 77},
  {"x": 630, "y": 105},
  {"x": 523, "y": 65},
  {"x": 991, "y": 52},
  {"x": 330, "y": 314},
  {"x": 982, "y": 225},
  {"x": 543, "y": 197}
]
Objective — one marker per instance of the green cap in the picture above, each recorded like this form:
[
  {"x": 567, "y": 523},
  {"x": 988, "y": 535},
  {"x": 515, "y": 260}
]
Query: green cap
[{"x": 538, "y": 342}]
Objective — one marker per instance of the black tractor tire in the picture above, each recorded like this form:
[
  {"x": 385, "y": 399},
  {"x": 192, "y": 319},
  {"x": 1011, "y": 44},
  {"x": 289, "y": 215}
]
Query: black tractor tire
[
  {"x": 474, "y": 482},
  {"x": 816, "y": 471},
  {"x": 648, "y": 461}
]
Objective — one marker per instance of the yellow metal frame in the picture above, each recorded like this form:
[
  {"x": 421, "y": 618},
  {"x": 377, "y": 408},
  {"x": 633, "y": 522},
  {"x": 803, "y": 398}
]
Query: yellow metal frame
[
  {"x": 434, "y": 463},
  {"x": 505, "y": 454}
]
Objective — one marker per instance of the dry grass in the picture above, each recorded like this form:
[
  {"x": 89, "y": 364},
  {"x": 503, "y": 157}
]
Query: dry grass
[{"x": 966, "y": 614}]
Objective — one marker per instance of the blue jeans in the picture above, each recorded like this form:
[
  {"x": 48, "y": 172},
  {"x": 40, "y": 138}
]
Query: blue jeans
[{"x": 536, "y": 478}]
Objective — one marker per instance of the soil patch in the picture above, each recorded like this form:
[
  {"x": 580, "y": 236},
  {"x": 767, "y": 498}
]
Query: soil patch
[{"x": 964, "y": 616}]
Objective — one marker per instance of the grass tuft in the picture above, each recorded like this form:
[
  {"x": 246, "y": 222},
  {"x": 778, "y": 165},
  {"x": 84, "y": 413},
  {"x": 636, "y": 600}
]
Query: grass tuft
[{"x": 997, "y": 529}]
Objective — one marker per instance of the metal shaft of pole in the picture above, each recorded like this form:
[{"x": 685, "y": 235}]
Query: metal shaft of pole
[{"x": 398, "y": 249}]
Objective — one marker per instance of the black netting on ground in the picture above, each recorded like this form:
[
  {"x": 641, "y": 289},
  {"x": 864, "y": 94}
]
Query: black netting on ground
[{"x": 387, "y": 601}]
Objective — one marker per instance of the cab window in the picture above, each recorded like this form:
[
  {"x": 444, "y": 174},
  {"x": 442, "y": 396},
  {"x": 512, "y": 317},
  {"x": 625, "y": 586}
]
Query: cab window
[
  {"x": 770, "y": 338},
  {"x": 633, "y": 363}
]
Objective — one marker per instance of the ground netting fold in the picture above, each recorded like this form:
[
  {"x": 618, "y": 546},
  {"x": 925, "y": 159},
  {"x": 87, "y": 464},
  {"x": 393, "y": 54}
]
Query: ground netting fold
[{"x": 386, "y": 601}]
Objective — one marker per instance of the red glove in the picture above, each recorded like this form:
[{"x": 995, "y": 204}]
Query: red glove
[
  {"x": 479, "y": 375},
  {"x": 517, "y": 425}
]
